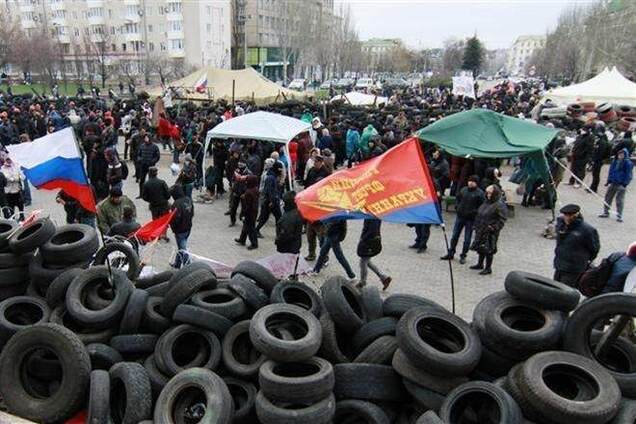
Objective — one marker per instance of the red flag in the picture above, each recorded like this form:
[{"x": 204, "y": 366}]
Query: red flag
[
  {"x": 155, "y": 228},
  {"x": 395, "y": 186}
]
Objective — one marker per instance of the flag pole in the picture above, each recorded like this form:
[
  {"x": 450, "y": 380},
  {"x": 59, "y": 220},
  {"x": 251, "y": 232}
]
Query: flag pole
[
  {"x": 450, "y": 268},
  {"x": 99, "y": 229}
]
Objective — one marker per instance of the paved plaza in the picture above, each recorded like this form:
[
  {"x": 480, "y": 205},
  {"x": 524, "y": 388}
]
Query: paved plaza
[{"x": 521, "y": 246}]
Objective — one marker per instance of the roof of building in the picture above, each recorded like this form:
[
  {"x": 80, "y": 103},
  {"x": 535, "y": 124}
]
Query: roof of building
[{"x": 525, "y": 38}]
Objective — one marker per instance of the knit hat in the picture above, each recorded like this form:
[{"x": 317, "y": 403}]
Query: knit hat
[
  {"x": 631, "y": 250},
  {"x": 269, "y": 162}
]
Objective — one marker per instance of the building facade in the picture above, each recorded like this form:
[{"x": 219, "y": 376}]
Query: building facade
[
  {"x": 521, "y": 53},
  {"x": 378, "y": 50},
  {"x": 134, "y": 32}
]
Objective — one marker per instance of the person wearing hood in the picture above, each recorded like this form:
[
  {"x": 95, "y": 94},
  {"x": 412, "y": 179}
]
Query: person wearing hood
[
  {"x": 188, "y": 175},
  {"x": 237, "y": 189},
  {"x": 577, "y": 245},
  {"x": 249, "y": 212},
  {"x": 270, "y": 197},
  {"x": 489, "y": 221},
  {"x": 620, "y": 175},
  {"x": 352, "y": 143},
  {"x": 181, "y": 223},
  {"x": 368, "y": 133},
  {"x": 289, "y": 228},
  {"x": 440, "y": 171}
]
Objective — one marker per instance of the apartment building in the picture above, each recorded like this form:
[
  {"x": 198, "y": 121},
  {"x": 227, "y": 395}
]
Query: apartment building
[
  {"x": 521, "y": 52},
  {"x": 193, "y": 32}
]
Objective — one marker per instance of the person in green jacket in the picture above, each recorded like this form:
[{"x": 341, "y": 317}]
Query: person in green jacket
[
  {"x": 368, "y": 133},
  {"x": 110, "y": 211}
]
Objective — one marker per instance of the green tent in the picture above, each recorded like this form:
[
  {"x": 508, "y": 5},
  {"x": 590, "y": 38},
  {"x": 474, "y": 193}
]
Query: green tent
[{"x": 484, "y": 133}]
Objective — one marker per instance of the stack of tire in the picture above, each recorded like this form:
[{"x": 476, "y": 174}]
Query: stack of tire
[
  {"x": 184, "y": 346},
  {"x": 626, "y": 118},
  {"x": 606, "y": 113}
]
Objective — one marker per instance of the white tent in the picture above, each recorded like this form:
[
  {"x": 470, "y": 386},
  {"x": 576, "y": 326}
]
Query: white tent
[
  {"x": 360, "y": 99},
  {"x": 609, "y": 86},
  {"x": 265, "y": 126}
]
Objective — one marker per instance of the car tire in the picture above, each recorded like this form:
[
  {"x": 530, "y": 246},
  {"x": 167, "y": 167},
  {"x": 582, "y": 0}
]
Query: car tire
[
  {"x": 299, "y": 294},
  {"x": 70, "y": 244},
  {"x": 31, "y": 236},
  {"x": 307, "y": 381},
  {"x": 542, "y": 292},
  {"x": 344, "y": 304}
]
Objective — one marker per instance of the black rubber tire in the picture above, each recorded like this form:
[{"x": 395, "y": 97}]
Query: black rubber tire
[
  {"x": 56, "y": 293},
  {"x": 21, "y": 312},
  {"x": 237, "y": 341},
  {"x": 626, "y": 412},
  {"x": 429, "y": 417},
  {"x": 299, "y": 294},
  {"x": 493, "y": 364},
  {"x": 70, "y": 244},
  {"x": 99, "y": 398},
  {"x": 7, "y": 227},
  {"x": 130, "y": 393},
  {"x": 305, "y": 382},
  {"x": 44, "y": 366},
  {"x": 70, "y": 396},
  {"x": 371, "y": 331},
  {"x": 578, "y": 330},
  {"x": 372, "y": 302},
  {"x": 396, "y": 305},
  {"x": 461, "y": 345},
  {"x": 157, "y": 379},
  {"x": 244, "y": 397},
  {"x": 321, "y": 412},
  {"x": 468, "y": 402},
  {"x": 7, "y": 292},
  {"x": 108, "y": 316},
  {"x": 300, "y": 322},
  {"x": 184, "y": 289},
  {"x": 134, "y": 344},
  {"x": 11, "y": 260},
  {"x": 368, "y": 382},
  {"x": 132, "y": 258},
  {"x": 131, "y": 320},
  {"x": 60, "y": 316},
  {"x": 257, "y": 272},
  {"x": 359, "y": 411},
  {"x": 332, "y": 345},
  {"x": 199, "y": 317},
  {"x": 219, "y": 406},
  {"x": 422, "y": 377},
  {"x": 188, "y": 269},
  {"x": 424, "y": 397},
  {"x": 540, "y": 291},
  {"x": 380, "y": 351},
  {"x": 224, "y": 302},
  {"x": 103, "y": 357},
  {"x": 506, "y": 320},
  {"x": 153, "y": 280},
  {"x": 32, "y": 236},
  {"x": 619, "y": 361},
  {"x": 153, "y": 320},
  {"x": 247, "y": 290},
  {"x": 344, "y": 304},
  {"x": 170, "y": 348},
  {"x": 14, "y": 276},
  {"x": 511, "y": 385},
  {"x": 597, "y": 394},
  {"x": 159, "y": 290},
  {"x": 43, "y": 275}
]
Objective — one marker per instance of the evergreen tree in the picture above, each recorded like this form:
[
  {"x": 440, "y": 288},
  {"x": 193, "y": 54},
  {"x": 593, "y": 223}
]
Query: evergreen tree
[{"x": 473, "y": 55}]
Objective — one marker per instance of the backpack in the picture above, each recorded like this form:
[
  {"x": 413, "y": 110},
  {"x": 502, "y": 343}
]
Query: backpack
[
  {"x": 595, "y": 278},
  {"x": 124, "y": 170}
]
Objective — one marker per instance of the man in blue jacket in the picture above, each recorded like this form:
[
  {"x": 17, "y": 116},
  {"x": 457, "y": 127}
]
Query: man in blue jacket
[{"x": 619, "y": 177}]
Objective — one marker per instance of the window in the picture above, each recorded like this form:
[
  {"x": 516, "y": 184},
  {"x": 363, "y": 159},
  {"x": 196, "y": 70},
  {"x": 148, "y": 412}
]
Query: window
[
  {"x": 132, "y": 9},
  {"x": 175, "y": 26},
  {"x": 208, "y": 28},
  {"x": 176, "y": 44},
  {"x": 110, "y": 14},
  {"x": 113, "y": 47},
  {"x": 149, "y": 28},
  {"x": 77, "y": 32},
  {"x": 174, "y": 7},
  {"x": 208, "y": 10},
  {"x": 151, "y": 46},
  {"x": 260, "y": 20},
  {"x": 123, "y": 46},
  {"x": 162, "y": 47}
]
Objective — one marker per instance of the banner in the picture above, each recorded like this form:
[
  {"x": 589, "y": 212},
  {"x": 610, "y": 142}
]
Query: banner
[
  {"x": 464, "y": 85},
  {"x": 282, "y": 265},
  {"x": 395, "y": 187}
]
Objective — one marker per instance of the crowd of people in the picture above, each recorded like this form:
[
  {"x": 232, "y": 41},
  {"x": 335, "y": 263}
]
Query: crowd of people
[{"x": 252, "y": 175}]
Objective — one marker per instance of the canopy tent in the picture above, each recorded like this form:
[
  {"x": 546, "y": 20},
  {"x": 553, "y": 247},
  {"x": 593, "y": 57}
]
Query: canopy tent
[
  {"x": 215, "y": 83},
  {"x": 265, "y": 126},
  {"x": 484, "y": 133},
  {"x": 360, "y": 99},
  {"x": 609, "y": 86}
]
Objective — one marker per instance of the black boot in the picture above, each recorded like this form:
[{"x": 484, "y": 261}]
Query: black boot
[{"x": 480, "y": 263}]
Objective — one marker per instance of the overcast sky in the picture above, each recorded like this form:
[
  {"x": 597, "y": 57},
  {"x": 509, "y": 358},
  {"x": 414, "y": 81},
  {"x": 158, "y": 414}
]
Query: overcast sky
[{"x": 427, "y": 23}]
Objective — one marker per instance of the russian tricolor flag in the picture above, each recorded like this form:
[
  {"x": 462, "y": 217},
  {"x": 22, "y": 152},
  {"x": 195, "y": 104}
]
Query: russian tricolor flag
[
  {"x": 202, "y": 84},
  {"x": 54, "y": 162}
]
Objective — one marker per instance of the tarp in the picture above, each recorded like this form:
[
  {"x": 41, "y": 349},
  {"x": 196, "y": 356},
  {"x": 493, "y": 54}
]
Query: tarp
[
  {"x": 248, "y": 85},
  {"x": 360, "y": 99},
  {"x": 608, "y": 86},
  {"x": 395, "y": 187},
  {"x": 484, "y": 133}
]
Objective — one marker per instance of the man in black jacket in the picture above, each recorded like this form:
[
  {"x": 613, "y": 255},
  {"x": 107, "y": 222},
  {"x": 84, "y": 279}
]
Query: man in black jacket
[
  {"x": 581, "y": 152},
  {"x": 147, "y": 155},
  {"x": 577, "y": 245},
  {"x": 155, "y": 191},
  {"x": 289, "y": 228},
  {"x": 469, "y": 199},
  {"x": 271, "y": 197},
  {"x": 181, "y": 223},
  {"x": 315, "y": 230},
  {"x": 600, "y": 153}
]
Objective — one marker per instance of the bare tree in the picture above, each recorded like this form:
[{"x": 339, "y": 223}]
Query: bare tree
[
  {"x": 10, "y": 33},
  {"x": 99, "y": 58},
  {"x": 453, "y": 55},
  {"x": 294, "y": 28}
]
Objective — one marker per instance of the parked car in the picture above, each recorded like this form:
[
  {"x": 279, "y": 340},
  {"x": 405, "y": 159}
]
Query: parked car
[
  {"x": 344, "y": 83},
  {"x": 328, "y": 84},
  {"x": 395, "y": 83},
  {"x": 297, "y": 84},
  {"x": 364, "y": 83}
]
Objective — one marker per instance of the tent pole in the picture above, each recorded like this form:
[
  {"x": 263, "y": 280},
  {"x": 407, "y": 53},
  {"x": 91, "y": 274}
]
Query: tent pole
[
  {"x": 553, "y": 201},
  {"x": 289, "y": 166},
  {"x": 233, "y": 90},
  {"x": 450, "y": 268}
]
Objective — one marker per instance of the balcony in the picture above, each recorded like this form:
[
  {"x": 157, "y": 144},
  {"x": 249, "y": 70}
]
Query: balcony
[
  {"x": 133, "y": 18},
  {"x": 94, "y": 3},
  {"x": 58, "y": 21},
  {"x": 174, "y": 16},
  {"x": 135, "y": 36},
  {"x": 27, "y": 7},
  {"x": 96, "y": 38},
  {"x": 64, "y": 39},
  {"x": 58, "y": 5},
  {"x": 132, "y": 2},
  {"x": 174, "y": 35},
  {"x": 176, "y": 54},
  {"x": 28, "y": 23},
  {"x": 96, "y": 20}
]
